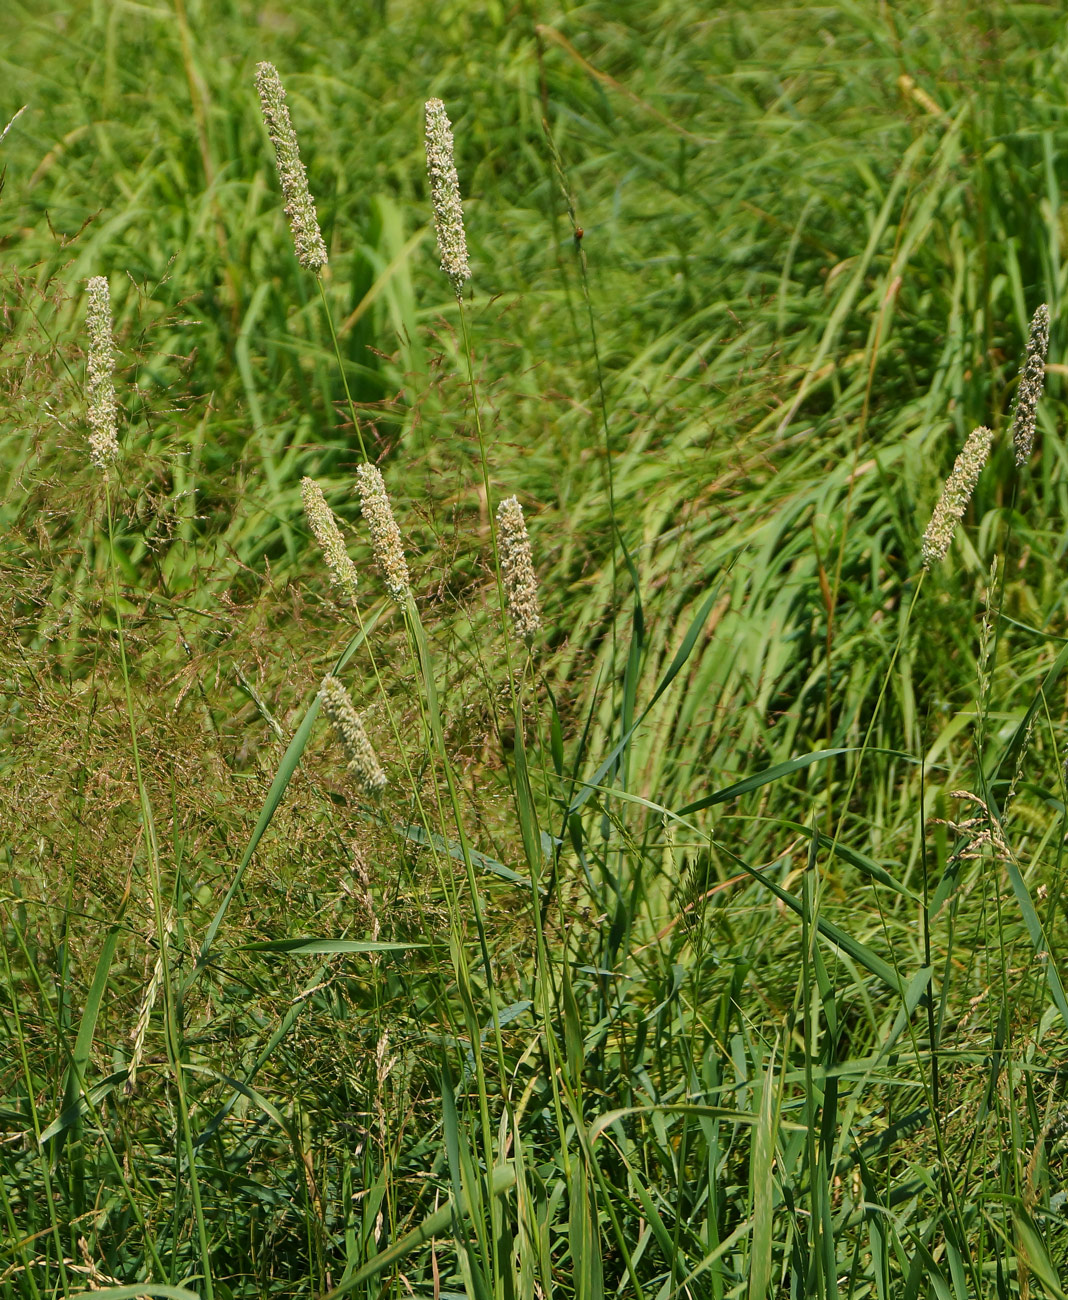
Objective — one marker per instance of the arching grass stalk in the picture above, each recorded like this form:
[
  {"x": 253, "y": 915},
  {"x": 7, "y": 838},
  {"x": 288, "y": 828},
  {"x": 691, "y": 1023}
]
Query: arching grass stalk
[
  {"x": 452, "y": 245},
  {"x": 578, "y": 236},
  {"x": 104, "y": 452},
  {"x": 171, "y": 1036},
  {"x": 341, "y": 367},
  {"x": 35, "y": 1121},
  {"x": 389, "y": 555}
]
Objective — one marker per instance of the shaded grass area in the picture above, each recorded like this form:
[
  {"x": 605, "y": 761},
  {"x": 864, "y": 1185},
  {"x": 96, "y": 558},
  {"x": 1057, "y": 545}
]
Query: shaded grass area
[{"x": 812, "y": 239}]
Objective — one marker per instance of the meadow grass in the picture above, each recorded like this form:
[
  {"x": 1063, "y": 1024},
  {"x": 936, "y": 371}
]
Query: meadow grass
[{"x": 703, "y": 940}]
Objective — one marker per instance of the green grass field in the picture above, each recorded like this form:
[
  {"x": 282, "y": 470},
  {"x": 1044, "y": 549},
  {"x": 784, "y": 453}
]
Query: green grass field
[{"x": 711, "y": 946}]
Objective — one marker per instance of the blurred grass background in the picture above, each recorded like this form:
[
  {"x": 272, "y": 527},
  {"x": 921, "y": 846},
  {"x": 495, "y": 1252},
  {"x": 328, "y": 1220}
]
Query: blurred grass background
[{"x": 814, "y": 237}]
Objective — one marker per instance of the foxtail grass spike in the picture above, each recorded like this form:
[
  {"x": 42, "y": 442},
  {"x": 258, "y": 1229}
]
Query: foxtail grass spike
[
  {"x": 103, "y": 409},
  {"x": 363, "y": 764},
  {"x": 517, "y": 569},
  {"x": 299, "y": 206},
  {"x": 445, "y": 195},
  {"x": 1032, "y": 379},
  {"x": 385, "y": 535},
  {"x": 324, "y": 526},
  {"x": 955, "y": 496}
]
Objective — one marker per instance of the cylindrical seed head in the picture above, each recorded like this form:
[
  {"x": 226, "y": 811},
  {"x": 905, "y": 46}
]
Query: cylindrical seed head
[
  {"x": 445, "y": 195},
  {"x": 517, "y": 569},
  {"x": 955, "y": 495},
  {"x": 324, "y": 526},
  {"x": 299, "y": 206},
  {"x": 102, "y": 407},
  {"x": 385, "y": 535},
  {"x": 1032, "y": 379},
  {"x": 362, "y": 764}
]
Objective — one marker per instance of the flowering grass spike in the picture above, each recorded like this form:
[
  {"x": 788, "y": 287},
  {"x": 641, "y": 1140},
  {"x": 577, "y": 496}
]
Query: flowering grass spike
[
  {"x": 955, "y": 495},
  {"x": 299, "y": 206},
  {"x": 362, "y": 763},
  {"x": 1032, "y": 379},
  {"x": 324, "y": 526},
  {"x": 445, "y": 195},
  {"x": 385, "y": 535},
  {"x": 517, "y": 569},
  {"x": 103, "y": 409}
]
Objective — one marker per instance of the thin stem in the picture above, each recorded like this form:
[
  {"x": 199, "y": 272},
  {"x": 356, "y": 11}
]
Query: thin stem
[
  {"x": 341, "y": 367},
  {"x": 152, "y": 846}
]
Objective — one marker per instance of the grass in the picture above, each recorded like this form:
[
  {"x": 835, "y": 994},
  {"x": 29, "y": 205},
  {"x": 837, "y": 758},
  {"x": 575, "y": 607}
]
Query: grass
[{"x": 713, "y": 949}]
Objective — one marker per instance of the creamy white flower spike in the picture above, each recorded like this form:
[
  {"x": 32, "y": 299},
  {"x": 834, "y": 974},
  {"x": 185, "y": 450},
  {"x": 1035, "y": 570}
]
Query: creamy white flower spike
[
  {"x": 385, "y": 535},
  {"x": 1032, "y": 380},
  {"x": 362, "y": 764},
  {"x": 517, "y": 569},
  {"x": 299, "y": 207},
  {"x": 102, "y": 407},
  {"x": 324, "y": 526},
  {"x": 955, "y": 496},
  {"x": 445, "y": 195}
]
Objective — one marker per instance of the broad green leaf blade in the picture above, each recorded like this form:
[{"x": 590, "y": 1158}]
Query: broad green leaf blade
[{"x": 754, "y": 782}]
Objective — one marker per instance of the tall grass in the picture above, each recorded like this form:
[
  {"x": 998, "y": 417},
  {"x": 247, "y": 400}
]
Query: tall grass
[{"x": 706, "y": 945}]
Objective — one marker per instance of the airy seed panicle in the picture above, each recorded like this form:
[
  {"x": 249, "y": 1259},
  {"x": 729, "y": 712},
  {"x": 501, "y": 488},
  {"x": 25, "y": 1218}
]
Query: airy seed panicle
[
  {"x": 1032, "y": 380},
  {"x": 102, "y": 407},
  {"x": 445, "y": 195},
  {"x": 299, "y": 206},
  {"x": 385, "y": 535},
  {"x": 363, "y": 764},
  {"x": 955, "y": 495},
  {"x": 324, "y": 526},
  {"x": 517, "y": 569}
]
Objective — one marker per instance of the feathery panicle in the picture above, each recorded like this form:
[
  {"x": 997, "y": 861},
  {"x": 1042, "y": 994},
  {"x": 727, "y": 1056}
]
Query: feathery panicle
[
  {"x": 1032, "y": 379},
  {"x": 103, "y": 409},
  {"x": 385, "y": 535},
  {"x": 348, "y": 727},
  {"x": 517, "y": 569},
  {"x": 323, "y": 524},
  {"x": 445, "y": 194},
  {"x": 299, "y": 206},
  {"x": 955, "y": 495}
]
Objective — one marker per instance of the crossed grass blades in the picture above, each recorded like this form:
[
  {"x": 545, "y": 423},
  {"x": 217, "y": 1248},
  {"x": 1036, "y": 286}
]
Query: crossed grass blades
[{"x": 706, "y": 948}]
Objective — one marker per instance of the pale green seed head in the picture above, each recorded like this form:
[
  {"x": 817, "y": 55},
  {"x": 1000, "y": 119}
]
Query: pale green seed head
[
  {"x": 517, "y": 569},
  {"x": 299, "y": 207},
  {"x": 324, "y": 527},
  {"x": 362, "y": 764},
  {"x": 385, "y": 535},
  {"x": 445, "y": 195},
  {"x": 100, "y": 370},
  {"x": 955, "y": 496},
  {"x": 1032, "y": 380}
]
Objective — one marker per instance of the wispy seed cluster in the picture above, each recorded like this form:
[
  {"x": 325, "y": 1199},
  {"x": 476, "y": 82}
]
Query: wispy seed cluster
[
  {"x": 517, "y": 569},
  {"x": 300, "y": 209},
  {"x": 324, "y": 526},
  {"x": 385, "y": 535},
  {"x": 362, "y": 764},
  {"x": 1032, "y": 379},
  {"x": 445, "y": 195},
  {"x": 102, "y": 407},
  {"x": 955, "y": 495}
]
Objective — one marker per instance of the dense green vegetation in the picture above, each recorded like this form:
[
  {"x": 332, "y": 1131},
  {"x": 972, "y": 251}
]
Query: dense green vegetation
[{"x": 713, "y": 947}]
